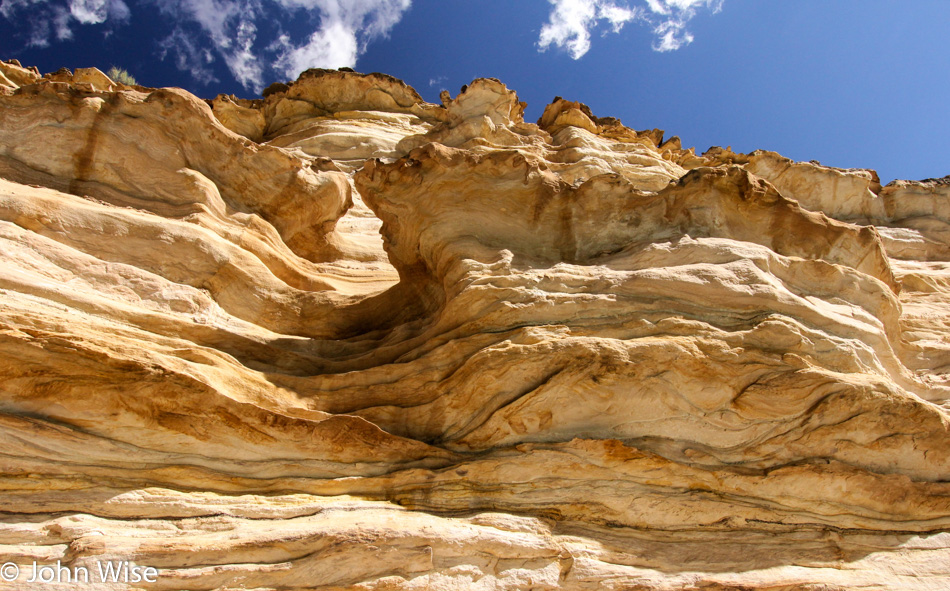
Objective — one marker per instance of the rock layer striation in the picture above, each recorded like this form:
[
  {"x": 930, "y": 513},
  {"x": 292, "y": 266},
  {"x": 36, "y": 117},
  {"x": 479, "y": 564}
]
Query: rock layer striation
[{"x": 342, "y": 338}]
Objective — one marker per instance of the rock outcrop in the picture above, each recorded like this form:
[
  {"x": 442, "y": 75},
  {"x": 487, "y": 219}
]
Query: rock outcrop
[{"x": 342, "y": 338}]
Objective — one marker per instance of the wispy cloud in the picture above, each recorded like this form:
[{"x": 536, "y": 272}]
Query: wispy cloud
[
  {"x": 188, "y": 56},
  {"x": 227, "y": 24},
  {"x": 333, "y": 45},
  {"x": 572, "y": 22},
  {"x": 93, "y": 12},
  {"x": 50, "y": 20},
  {"x": 346, "y": 28},
  {"x": 229, "y": 30},
  {"x": 670, "y": 28}
]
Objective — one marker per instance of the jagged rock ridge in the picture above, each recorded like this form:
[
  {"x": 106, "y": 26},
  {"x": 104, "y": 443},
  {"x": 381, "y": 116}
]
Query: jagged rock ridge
[{"x": 342, "y": 338}]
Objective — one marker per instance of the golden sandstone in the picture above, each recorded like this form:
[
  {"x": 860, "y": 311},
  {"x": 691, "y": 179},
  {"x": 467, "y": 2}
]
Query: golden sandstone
[{"x": 342, "y": 338}]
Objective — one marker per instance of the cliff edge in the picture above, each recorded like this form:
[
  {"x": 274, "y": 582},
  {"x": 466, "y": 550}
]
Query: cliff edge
[{"x": 342, "y": 338}]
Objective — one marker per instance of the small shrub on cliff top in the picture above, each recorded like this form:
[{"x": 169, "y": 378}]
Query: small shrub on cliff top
[{"x": 121, "y": 76}]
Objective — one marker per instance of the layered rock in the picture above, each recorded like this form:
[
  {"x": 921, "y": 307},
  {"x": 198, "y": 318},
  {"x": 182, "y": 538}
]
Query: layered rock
[{"x": 342, "y": 338}]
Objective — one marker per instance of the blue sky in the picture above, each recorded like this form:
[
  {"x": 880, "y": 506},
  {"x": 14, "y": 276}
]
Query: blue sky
[{"x": 846, "y": 82}]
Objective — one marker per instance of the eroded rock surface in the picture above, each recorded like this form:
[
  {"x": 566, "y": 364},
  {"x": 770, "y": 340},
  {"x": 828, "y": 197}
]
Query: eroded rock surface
[{"x": 342, "y": 338}]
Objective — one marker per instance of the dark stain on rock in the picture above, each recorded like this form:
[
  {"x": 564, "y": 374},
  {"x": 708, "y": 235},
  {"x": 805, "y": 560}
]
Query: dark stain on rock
[{"x": 84, "y": 158}]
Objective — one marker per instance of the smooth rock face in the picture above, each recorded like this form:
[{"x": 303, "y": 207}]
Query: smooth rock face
[{"x": 341, "y": 338}]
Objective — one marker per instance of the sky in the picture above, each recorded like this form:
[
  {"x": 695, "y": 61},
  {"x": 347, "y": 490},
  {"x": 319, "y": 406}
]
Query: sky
[{"x": 850, "y": 83}]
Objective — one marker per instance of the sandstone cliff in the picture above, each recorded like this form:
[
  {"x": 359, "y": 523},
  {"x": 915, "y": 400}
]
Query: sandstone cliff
[{"x": 342, "y": 338}]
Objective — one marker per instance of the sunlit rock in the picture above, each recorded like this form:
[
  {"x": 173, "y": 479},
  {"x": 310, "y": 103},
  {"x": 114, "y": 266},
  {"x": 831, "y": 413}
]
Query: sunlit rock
[{"x": 341, "y": 338}]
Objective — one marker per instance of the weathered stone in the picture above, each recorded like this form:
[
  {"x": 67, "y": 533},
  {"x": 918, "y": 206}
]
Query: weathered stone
[{"x": 341, "y": 338}]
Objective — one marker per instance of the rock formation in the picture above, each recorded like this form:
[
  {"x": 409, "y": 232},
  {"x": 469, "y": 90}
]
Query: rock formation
[{"x": 342, "y": 338}]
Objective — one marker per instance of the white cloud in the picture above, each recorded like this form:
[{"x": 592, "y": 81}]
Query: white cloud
[
  {"x": 93, "y": 12},
  {"x": 61, "y": 19},
  {"x": 9, "y": 7},
  {"x": 188, "y": 57},
  {"x": 229, "y": 30},
  {"x": 240, "y": 58},
  {"x": 334, "y": 45},
  {"x": 671, "y": 31},
  {"x": 671, "y": 37},
  {"x": 347, "y": 27},
  {"x": 47, "y": 20},
  {"x": 571, "y": 22}
]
